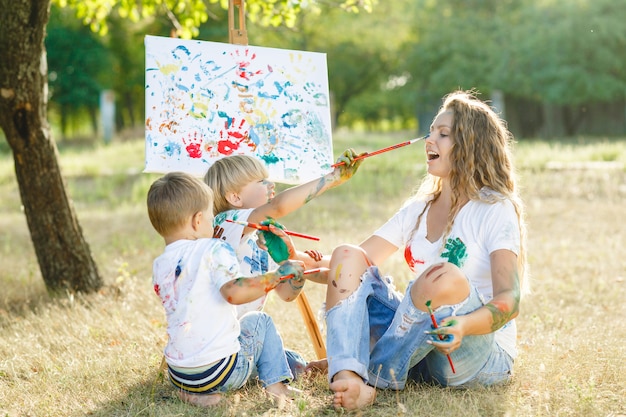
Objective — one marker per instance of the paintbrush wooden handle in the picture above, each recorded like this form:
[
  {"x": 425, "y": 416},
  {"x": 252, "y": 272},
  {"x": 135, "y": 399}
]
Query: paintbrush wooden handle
[
  {"x": 307, "y": 272},
  {"x": 432, "y": 318},
  {"x": 266, "y": 228},
  {"x": 387, "y": 149}
]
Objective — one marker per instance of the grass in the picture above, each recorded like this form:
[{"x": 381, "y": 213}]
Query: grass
[{"x": 99, "y": 354}]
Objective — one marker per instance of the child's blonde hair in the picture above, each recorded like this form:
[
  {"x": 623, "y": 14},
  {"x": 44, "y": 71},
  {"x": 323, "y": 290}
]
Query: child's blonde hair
[
  {"x": 174, "y": 198},
  {"x": 230, "y": 175}
]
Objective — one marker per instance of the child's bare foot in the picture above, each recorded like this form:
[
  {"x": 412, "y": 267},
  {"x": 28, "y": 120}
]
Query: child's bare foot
[
  {"x": 316, "y": 367},
  {"x": 282, "y": 391},
  {"x": 200, "y": 400},
  {"x": 351, "y": 392}
]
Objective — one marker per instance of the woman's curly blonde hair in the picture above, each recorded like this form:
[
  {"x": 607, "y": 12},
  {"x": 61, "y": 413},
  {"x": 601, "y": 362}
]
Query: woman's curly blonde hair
[{"x": 481, "y": 156}]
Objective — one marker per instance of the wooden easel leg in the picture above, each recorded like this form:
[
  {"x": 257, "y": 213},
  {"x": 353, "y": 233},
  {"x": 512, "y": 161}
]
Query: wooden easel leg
[{"x": 311, "y": 325}]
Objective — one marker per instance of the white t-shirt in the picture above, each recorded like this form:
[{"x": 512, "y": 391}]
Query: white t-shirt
[
  {"x": 202, "y": 327},
  {"x": 252, "y": 259},
  {"x": 479, "y": 229}
]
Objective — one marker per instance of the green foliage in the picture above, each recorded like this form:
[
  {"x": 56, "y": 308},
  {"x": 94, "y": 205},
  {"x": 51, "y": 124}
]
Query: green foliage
[
  {"x": 576, "y": 57},
  {"x": 362, "y": 54},
  {"x": 186, "y": 16},
  {"x": 560, "y": 52},
  {"x": 387, "y": 66},
  {"x": 76, "y": 57}
]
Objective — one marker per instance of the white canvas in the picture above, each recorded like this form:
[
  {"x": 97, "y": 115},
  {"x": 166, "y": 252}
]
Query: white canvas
[{"x": 207, "y": 100}]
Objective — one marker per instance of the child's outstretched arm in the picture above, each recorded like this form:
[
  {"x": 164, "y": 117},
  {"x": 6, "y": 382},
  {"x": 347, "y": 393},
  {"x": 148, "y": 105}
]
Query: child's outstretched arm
[
  {"x": 244, "y": 290},
  {"x": 293, "y": 198}
]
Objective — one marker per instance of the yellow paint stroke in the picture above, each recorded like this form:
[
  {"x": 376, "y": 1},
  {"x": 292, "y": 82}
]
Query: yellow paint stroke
[
  {"x": 168, "y": 69},
  {"x": 338, "y": 272},
  {"x": 200, "y": 105},
  {"x": 264, "y": 111}
]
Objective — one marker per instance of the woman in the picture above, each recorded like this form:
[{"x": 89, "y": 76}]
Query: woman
[{"x": 462, "y": 236}]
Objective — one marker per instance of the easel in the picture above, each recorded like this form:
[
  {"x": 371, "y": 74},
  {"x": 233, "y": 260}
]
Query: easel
[{"x": 238, "y": 35}]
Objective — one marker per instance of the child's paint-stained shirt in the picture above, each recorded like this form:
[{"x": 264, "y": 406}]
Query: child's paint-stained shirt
[
  {"x": 202, "y": 326},
  {"x": 252, "y": 259}
]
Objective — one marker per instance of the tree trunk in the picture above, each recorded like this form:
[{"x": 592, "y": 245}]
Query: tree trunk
[{"x": 63, "y": 254}]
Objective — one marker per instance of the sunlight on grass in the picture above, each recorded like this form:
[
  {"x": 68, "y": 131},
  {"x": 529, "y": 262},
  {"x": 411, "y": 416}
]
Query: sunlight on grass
[{"x": 99, "y": 354}]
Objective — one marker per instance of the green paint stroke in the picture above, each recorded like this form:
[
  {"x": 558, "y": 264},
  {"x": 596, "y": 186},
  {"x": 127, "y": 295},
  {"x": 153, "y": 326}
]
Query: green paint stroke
[
  {"x": 428, "y": 307},
  {"x": 276, "y": 247}
]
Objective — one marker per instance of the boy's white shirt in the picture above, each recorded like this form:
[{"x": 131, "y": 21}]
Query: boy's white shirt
[
  {"x": 252, "y": 260},
  {"x": 480, "y": 228},
  {"x": 202, "y": 327}
]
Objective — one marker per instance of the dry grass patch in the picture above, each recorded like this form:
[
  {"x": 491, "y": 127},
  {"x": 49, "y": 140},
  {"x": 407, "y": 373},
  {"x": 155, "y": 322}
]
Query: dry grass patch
[{"x": 99, "y": 354}]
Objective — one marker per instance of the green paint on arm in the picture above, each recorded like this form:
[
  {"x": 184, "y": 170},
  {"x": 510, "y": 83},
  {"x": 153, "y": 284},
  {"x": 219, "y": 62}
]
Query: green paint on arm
[
  {"x": 319, "y": 189},
  {"x": 499, "y": 315},
  {"x": 502, "y": 312}
]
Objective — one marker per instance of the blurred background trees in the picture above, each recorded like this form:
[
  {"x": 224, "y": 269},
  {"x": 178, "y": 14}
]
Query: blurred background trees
[{"x": 553, "y": 67}]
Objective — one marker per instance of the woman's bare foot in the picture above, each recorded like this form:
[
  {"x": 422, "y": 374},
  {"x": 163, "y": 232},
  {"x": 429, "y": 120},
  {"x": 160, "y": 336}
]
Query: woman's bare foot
[
  {"x": 316, "y": 367},
  {"x": 282, "y": 391},
  {"x": 351, "y": 392},
  {"x": 201, "y": 400}
]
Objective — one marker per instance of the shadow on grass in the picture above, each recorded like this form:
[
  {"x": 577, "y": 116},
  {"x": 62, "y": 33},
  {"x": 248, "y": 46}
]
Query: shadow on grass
[{"x": 157, "y": 398}]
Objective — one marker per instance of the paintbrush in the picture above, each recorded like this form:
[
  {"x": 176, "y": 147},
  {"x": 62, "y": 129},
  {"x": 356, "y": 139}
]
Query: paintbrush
[
  {"x": 266, "y": 228},
  {"x": 307, "y": 272},
  {"x": 432, "y": 318},
  {"x": 387, "y": 149}
]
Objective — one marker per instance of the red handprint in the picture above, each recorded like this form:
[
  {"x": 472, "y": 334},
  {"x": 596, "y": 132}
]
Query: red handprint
[
  {"x": 234, "y": 135},
  {"x": 243, "y": 64},
  {"x": 193, "y": 145}
]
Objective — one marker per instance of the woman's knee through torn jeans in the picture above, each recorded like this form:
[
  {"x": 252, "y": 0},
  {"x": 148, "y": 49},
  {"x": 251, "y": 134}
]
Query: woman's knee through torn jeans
[{"x": 380, "y": 335}]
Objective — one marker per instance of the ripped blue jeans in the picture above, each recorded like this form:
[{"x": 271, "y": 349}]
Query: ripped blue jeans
[{"x": 380, "y": 335}]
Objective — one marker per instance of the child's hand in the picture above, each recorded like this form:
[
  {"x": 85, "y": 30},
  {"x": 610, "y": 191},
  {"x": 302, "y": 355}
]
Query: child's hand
[
  {"x": 292, "y": 270},
  {"x": 276, "y": 242},
  {"x": 314, "y": 254},
  {"x": 349, "y": 166}
]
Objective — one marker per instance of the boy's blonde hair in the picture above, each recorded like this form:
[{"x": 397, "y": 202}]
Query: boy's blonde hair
[
  {"x": 230, "y": 175},
  {"x": 174, "y": 198}
]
